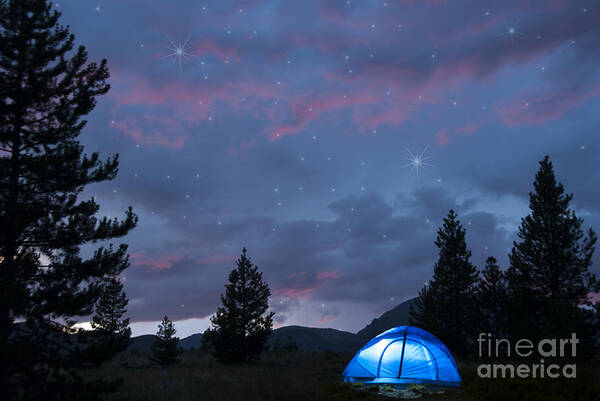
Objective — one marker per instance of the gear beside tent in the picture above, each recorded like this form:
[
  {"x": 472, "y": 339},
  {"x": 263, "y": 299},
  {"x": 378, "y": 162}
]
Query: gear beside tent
[{"x": 404, "y": 355}]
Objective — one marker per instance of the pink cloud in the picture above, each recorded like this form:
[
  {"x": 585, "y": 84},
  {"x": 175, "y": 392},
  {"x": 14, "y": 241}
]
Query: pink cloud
[
  {"x": 329, "y": 274},
  {"x": 207, "y": 47},
  {"x": 168, "y": 259},
  {"x": 537, "y": 109},
  {"x": 305, "y": 109},
  {"x": 300, "y": 293},
  {"x": 171, "y": 110},
  {"x": 157, "y": 262},
  {"x": 442, "y": 137},
  {"x": 467, "y": 129}
]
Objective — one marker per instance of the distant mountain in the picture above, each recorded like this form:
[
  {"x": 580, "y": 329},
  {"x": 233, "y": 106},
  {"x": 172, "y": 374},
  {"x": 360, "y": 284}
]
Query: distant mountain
[
  {"x": 142, "y": 343},
  {"x": 311, "y": 338},
  {"x": 191, "y": 341},
  {"x": 399, "y": 316},
  {"x": 315, "y": 339}
]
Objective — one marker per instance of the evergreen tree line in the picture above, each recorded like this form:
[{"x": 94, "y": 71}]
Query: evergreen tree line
[
  {"x": 239, "y": 329},
  {"x": 543, "y": 293}
]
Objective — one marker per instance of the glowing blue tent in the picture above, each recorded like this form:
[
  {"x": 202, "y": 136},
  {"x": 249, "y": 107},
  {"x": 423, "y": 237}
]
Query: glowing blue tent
[{"x": 404, "y": 355}]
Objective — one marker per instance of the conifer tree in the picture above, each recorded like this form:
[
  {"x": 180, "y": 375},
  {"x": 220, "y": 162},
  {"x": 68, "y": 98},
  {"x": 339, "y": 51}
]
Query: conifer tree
[
  {"x": 46, "y": 88},
  {"x": 445, "y": 306},
  {"x": 491, "y": 299},
  {"x": 165, "y": 350},
  {"x": 549, "y": 278},
  {"x": 110, "y": 331},
  {"x": 241, "y": 327}
]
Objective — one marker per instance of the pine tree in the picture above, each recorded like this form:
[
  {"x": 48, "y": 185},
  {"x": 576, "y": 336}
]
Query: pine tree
[
  {"x": 549, "y": 278},
  {"x": 445, "y": 306},
  {"x": 46, "y": 89},
  {"x": 111, "y": 333},
  {"x": 424, "y": 312},
  {"x": 241, "y": 327},
  {"x": 491, "y": 299},
  {"x": 165, "y": 350}
]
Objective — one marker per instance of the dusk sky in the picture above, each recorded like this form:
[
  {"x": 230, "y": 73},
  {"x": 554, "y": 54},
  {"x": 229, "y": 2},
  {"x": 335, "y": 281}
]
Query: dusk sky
[{"x": 287, "y": 127}]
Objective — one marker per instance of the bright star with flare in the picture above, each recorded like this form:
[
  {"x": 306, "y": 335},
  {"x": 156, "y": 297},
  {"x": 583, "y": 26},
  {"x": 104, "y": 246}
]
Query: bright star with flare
[
  {"x": 180, "y": 51},
  {"x": 417, "y": 161}
]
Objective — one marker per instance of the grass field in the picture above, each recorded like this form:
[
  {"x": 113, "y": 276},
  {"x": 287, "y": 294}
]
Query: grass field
[{"x": 307, "y": 376}]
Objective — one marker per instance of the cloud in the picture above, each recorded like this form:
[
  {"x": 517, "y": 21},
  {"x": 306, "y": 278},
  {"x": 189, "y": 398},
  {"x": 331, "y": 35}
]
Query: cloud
[{"x": 540, "y": 108}]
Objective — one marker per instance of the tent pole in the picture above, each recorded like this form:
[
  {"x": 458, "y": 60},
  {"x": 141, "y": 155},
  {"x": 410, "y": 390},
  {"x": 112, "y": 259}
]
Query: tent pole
[{"x": 402, "y": 355}]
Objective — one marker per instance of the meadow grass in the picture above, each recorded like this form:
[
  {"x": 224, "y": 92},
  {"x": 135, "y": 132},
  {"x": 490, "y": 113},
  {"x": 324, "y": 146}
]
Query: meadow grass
[{"x": 310, "y": 376}]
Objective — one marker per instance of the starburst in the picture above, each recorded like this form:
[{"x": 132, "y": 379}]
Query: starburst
[
  {"x": 180, "y": 51},
  {"x": 417, "y": 161},
  {"x": 512, "y": 30}
]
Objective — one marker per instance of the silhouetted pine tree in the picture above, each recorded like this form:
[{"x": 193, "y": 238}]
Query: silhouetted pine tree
[
  {"x": 46, "y": 89},
  {"x": 242, "y": 326},
  {"x": 424, "y": 312},
  {"x": 491, "y": 299},
  {"x": 165, "y": 350},
  {"x": 549, "y": 278},
  {"x": 446, "y": 306},
  {"x": 111, "y": 333}
]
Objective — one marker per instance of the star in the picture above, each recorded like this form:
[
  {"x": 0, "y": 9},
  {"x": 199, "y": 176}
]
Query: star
[
  {"x": 417, "y": 161},
  {"x": 512, "y": 30},
  {"x": 179, "y": 51}
]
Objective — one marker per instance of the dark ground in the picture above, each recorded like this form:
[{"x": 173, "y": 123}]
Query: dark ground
[{"x": 310, "y": 376}]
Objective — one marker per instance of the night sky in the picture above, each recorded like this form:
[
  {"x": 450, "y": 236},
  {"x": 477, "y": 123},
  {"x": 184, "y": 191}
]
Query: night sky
[{"x": 330, "y": 138}]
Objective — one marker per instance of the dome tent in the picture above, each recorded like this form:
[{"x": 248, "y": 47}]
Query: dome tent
[{"x": 404, "y": 354}]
